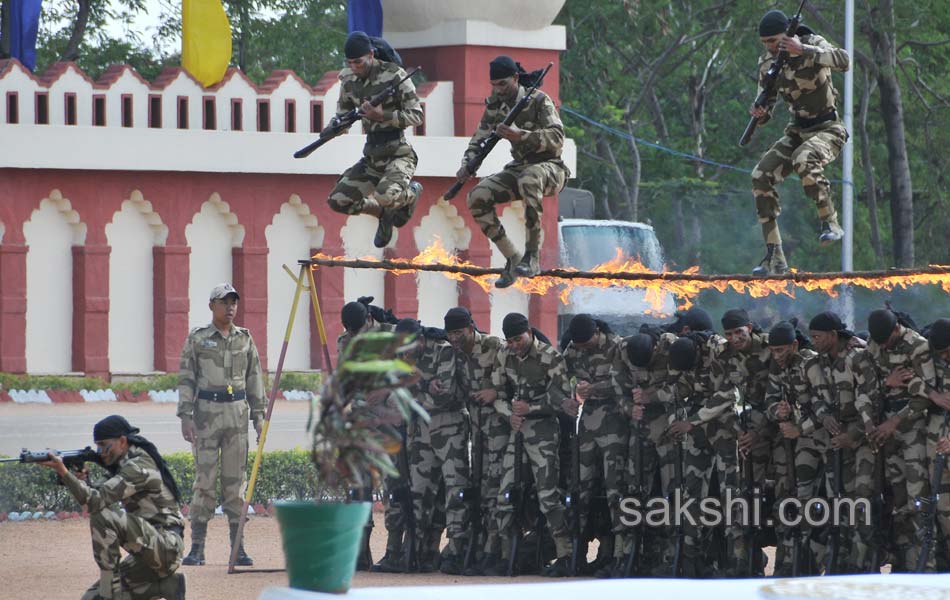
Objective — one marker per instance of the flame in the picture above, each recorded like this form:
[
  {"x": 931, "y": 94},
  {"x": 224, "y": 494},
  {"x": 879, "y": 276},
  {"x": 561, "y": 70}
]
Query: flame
[{"x": 656, "y": 291}]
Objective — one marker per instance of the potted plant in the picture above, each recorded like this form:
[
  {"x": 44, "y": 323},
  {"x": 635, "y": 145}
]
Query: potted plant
[{"x": 354, "y": 426}]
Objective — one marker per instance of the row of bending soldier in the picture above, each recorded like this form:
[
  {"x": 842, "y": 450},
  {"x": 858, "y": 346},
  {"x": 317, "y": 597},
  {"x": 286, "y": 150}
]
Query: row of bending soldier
[{"x": 534, "y": 451}]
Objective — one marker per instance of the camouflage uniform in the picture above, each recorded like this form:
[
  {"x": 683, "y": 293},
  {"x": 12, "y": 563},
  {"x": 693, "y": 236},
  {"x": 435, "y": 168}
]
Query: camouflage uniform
[
  {"x": 382, "y": 176},
  {"x": 213, "y": 363},
  {"x": 535, "y": 172},
  {"x": 657, "y": 449},
  {"x": 540, "y": 379},
  {"x": 603, "y": 428},
  {"x": 906, "y": 462},
  {"x": 438, "y": 450},
  {"x": 475, "y": 374},
  {"x": 935, "y": 430},
  {"x": 344, "y": 338},
  {"x": 792, "y": 384},
  {"x": 149, "y": 528},
  {"x": 807, "y": 147}
]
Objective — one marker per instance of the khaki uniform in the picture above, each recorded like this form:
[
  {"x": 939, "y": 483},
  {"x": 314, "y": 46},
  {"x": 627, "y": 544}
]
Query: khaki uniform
[
  {"x": 149, "y": 528},
  {"x": 936, "y": 430},
  {"x": 211, "y": 362},
  {"x": 535, "y": 172},
  {"x": 806, "y": 87},
  {"x": 388, "y": 162}
]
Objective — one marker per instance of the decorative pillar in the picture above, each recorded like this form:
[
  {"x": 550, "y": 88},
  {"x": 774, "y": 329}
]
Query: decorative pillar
[
  {"x": 471, "y": 295},
  {"x": 542, "y": 309},
  {"x": 249, "y": 277},
  {"x": 329, "y": 283},
  {"x": 171, "y": 270},
  {"x": 402, "y": 290},
  {"x": 91, "y": 310},
  {"x": 13, "y": 308}
]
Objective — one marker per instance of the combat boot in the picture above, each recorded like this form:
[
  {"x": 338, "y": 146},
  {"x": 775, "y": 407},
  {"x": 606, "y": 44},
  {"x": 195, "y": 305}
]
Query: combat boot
[
  {"x": 393, "y": 560},
  {"x": 196, "y": 556},
  {"x": 384, "y": 231},
  {"x": 774, "y": 262},
  {"x": 243, "y": 560},
  {"x": 559, "y": 568},
  {"x": 529, "y": 265},
  {"x": 831, "y": 232},
  {"x": 402, "y": 215},
  {"x": 364, "y": 562},
  {"x": 172, "y": 587},
  {"x": 508, "y": 250}
]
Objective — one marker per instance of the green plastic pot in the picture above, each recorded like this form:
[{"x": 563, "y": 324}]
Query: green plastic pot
[{"x": 322, "y": 543}]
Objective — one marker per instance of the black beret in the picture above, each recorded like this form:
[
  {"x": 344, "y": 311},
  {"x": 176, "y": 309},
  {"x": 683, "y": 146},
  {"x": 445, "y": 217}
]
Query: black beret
[
  {"x": 698, "y": 319},
  {"x": 357, "y": 44},
  {"x": 782, "y": 334},
  {"x": 773, "y": 23},
  {"x": 735, "y": 318},
  {"x": 514, "y": 325},
  {"x": 826, "y": 321},
  {"x": 501, "y": 67},
  {"x": 940, "y": 334},
  {"x": 583, "y": 328},
  {"x": 457, "y": 318},
  {"x": 881, "y": 324},
  {"x": 683, "y": 354},
  {"x": 640, "y": 349},
  {"x": 353, "y": 316},
  {"x": 113, "y": 426},
  {"x": 408, "y": 326}
]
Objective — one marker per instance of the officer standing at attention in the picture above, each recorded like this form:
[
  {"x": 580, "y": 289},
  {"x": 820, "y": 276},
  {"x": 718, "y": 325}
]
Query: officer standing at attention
[
  {"x": 380, "y": 183},
  {"x": 219, "y": 383},
  {"x": 812, "y": 139}
]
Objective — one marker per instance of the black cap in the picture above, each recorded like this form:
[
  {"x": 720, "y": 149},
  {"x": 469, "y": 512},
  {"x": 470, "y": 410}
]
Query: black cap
[
  {"x": 782, "y": 334},
  {"x": 683, "y": 354},
  {"x": 113, "y": 426},
  {"x": 698, "y": 319},
  {"x": 826, "y": 321},
  {"x": 735, "y": 318},
  {"x": 583, "y": 328},
  {"x": 357, "y": 44},
  {"x": 640, "y": 349},
  {"x": 940, "y": 334},
  {"x": 881, "y": 324},
  {"x": 502, "y": 67},
  {"x": 514, "y": 325},
  {"x": 353, "y": 316},
  {"x": 773, "y": 23},
  {"x": 408, "y": 326},
  {"x": 457, "y": 318}
]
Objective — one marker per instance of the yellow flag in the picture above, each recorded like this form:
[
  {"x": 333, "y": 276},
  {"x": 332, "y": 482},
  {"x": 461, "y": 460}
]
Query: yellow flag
[{"x": 205, "y": 40}]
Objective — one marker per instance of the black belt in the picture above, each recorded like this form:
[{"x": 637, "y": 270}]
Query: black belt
[
  {"x": 378, "y": 138},
  {"x": 222, "y": 395},
  {"x": 895, "y": 405},
  {"x": 809, "y": 123},
  {"x": 179, "y": 529},
  {"x": 598, "y": 402}
]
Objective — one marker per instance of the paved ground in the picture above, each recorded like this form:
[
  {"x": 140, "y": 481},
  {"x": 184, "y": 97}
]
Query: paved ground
[{"x": 68, "y": 426}]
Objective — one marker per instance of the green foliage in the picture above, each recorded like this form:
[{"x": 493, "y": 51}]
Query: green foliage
[
  {"x": 9, "y": 381},
  {"x": 284, "y": 475},
  {"x": 300, "y": 381}
]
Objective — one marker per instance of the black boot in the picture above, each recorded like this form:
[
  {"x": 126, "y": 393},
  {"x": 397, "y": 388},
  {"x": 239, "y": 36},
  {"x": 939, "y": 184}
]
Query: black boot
[
  {"x": 559, "y": 568},
  {"x": 393, "y": 561},
  {"x": 243, "y": 560},
  {"x": 365, "y": 560},
  {"x": 529, "y": 265},
  {"x": 196, "y": 556},
  {"x": 384, "y": 231},
  {"x": 402, "y": 215},
  {"x": 172, "y": 587}
]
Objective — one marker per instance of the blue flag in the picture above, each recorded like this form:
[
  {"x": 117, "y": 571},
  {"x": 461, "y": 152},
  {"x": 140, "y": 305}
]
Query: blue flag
[
  {"x": 24, "y": 22},
  {"x": 365, "y": 15}
]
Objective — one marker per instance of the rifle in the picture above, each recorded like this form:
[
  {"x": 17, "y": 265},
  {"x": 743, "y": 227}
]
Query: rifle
[
  {"x": 340, "y": 123},
  {"x": 771, "y": 77},
  {"x": 750, "y": 493},
  {"x": 792, "y": 483},
  {"x": 679, "y": 483},
  {"x": 516, "y": 497},
  {"x": 75, "y": 460},
  {"x": 633, "y": 559},
  {"x": 402, "y": 496},
  {"x": 930, "y": 502},
  {"x": 834, "y": 534},
  {"x": 486, "y": 145},
  {"x": 473, "y": 494},
  {"x": 573, "y": 499}
]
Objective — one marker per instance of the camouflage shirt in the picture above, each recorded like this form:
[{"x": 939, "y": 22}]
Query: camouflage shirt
[
  {"x": 400, "y": 111},
  {"x": 748, "y": 369},
  {"x": 436, "y": 363},
  {"x": 650, "y": 379},
  {"x": 910, "y": 350},
  {"x": 793, "y": 384},
  {"x": 344, "y": 338},
  {"x": 540, "y": 379},
  {"x": 474, "y": 370},
  {"x": 805, "y": 81},
  {"x": 210, "y": 361},
  {"x": 705, "y": 393},
  {"x": 595, "y": 366},
  {"x": 545, "y": 137},
  {"x": 832, "y": 378},
  {"x": 137, "y": 485}
]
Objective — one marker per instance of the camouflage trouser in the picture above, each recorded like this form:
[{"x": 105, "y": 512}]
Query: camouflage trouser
[
  {"x": 807, "y": 153},
  {"x": 604, "y": 436},
  {"x": 222, "y": 431},
  {"x": 394, "y": 515},
  {"x": 906, "y": 471},
  {"x": 934, "y": 432},
  {"x": 438, "y": 451},
  {"x": 658, "y": 455},
  {"x": 541, "y": 440},
  {"x": 494, "y": 432},
  {"x": 153, "y": 555},
  {"x": 527, "y": 182},
  {"x": 385, "y": 178}
]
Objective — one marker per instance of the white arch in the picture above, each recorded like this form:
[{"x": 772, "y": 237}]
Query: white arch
[
  {"x": 135, "y": 228},
  {"x": 52, "y": 231},
  {"x": 436, "y": 292},
  {"x": 211, "y": 235},
  {"x": 292, "y": 234},
  {"x": 357, "y": 237},
  {"x": 510, "y": 299}
]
